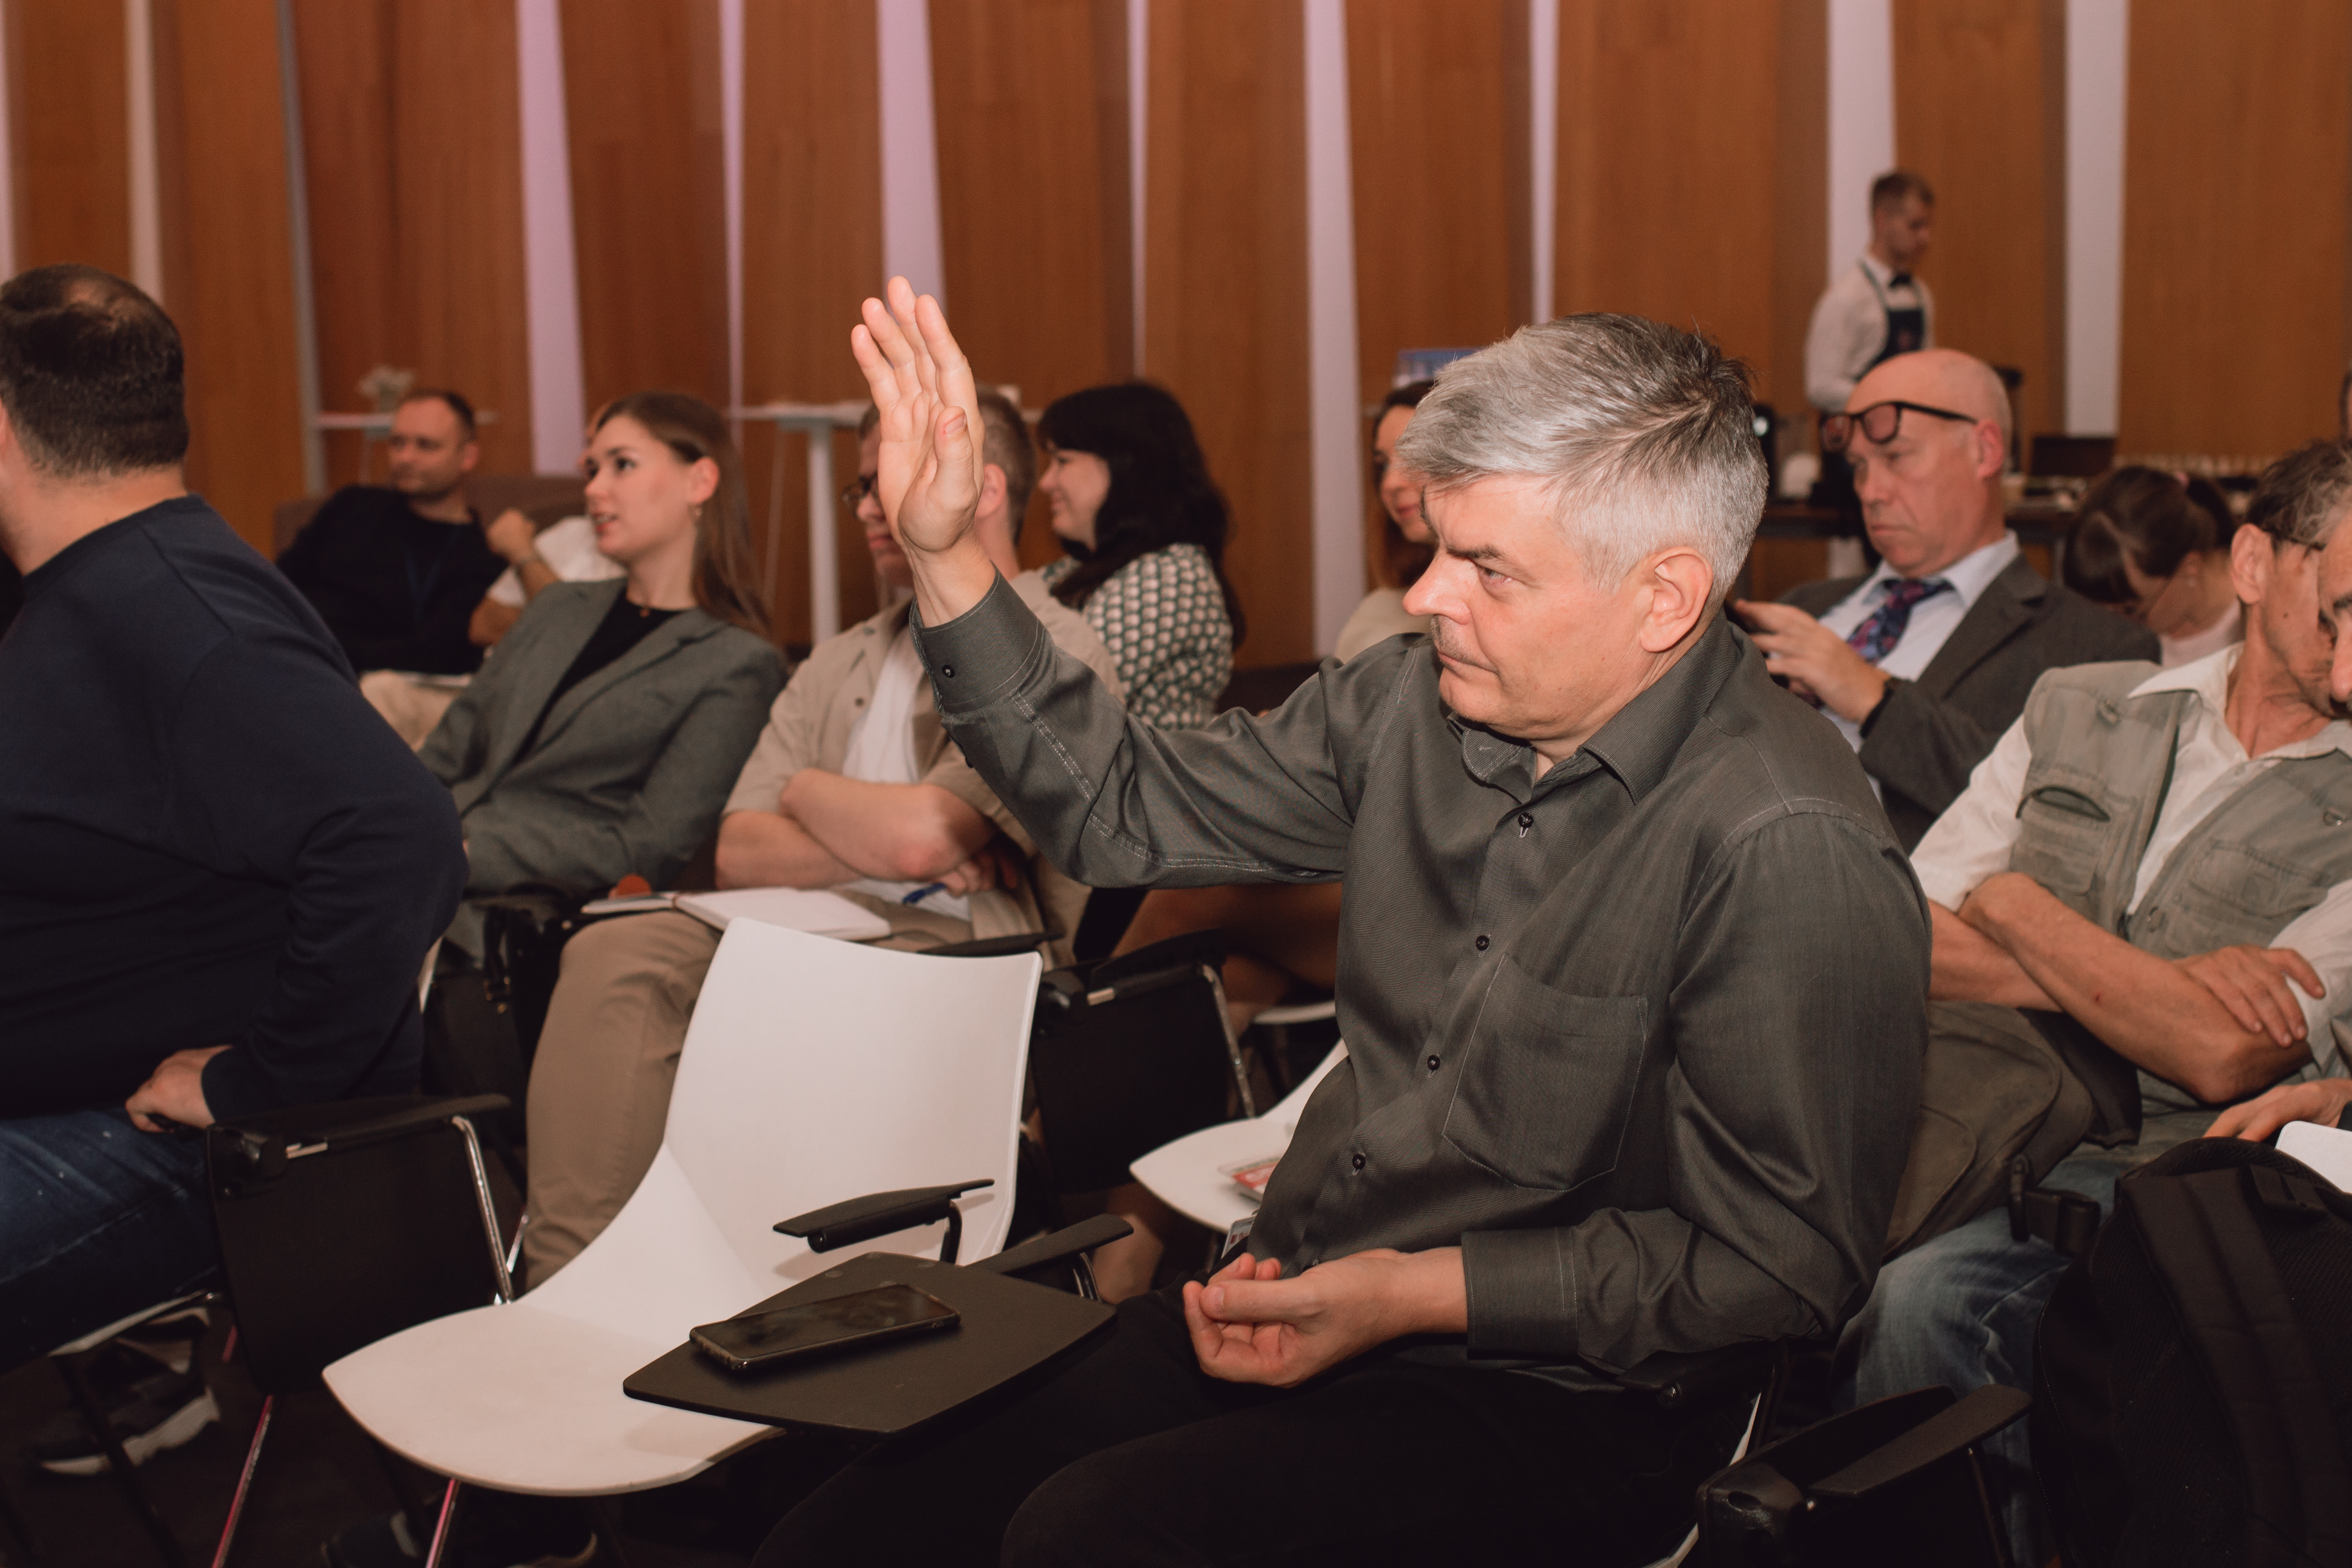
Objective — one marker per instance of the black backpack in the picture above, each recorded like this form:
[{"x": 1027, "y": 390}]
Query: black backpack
[{"x": 2192, "y": 1376}]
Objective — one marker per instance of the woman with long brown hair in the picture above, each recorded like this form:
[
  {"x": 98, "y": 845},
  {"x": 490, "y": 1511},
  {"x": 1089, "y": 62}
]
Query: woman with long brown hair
[{"x": 602, "y": 737}]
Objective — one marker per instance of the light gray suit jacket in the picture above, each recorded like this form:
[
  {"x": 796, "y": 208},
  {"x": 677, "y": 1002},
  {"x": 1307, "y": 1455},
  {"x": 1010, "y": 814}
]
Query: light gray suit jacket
[{"x": 630, "y": 770}]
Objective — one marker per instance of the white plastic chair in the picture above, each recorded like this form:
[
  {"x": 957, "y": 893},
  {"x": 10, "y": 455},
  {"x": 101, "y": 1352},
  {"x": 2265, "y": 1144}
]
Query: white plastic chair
[
  {"x": 1187, "y": 1174},
  {"x": 815, "y": 1071}
]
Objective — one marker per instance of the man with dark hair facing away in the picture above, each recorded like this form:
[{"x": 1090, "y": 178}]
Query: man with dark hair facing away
[
  {"x": 219, "y": 872},
  {"x": 397, "y": 570}
]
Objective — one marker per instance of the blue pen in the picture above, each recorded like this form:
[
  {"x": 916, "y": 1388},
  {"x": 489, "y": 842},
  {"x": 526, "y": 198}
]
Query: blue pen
[{"x": 925, "y": 891}]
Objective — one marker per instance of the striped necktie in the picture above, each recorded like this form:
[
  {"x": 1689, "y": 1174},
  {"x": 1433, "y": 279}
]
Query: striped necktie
[{"x": 1880, "y": 633}]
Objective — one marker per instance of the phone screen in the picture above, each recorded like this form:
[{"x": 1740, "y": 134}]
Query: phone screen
[{"x": 863, "y": 1317}]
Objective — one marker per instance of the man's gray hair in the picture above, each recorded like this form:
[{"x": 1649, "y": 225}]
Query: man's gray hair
[
  {"x": 1642, "y": 436},
  {"x": 2301, "y": 498}
]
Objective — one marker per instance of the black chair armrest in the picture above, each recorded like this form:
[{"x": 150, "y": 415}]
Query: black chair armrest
[
  {"x": 1011, "y": 946},
  {"x": 1972, "y": 1420},
  {"x": 879, "y": 1214},
  {"x": 1058, "y": 1246},
  {"x": 256, "y": 1147}
]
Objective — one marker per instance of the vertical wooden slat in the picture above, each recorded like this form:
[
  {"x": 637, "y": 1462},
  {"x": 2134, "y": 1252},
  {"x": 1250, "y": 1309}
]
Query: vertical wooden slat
[
  {"x": 811, "y": 251},
  {"x": 228, "y": 259},
  {"x": 1801, "y": 175},
  {"x": 1973, "y": 114},
  {"x": 1669, "y": 125},
  {"x": 1031, "y": 123},
  {"x": 641, "y": 96},
  {"x": 2237, "y": 156},
  {"x": 1225, "y": 285},
  {"x": 1439, "y": 230},
  {"x": 344, "y": 50},
  {"x": 68, "y": 133}
]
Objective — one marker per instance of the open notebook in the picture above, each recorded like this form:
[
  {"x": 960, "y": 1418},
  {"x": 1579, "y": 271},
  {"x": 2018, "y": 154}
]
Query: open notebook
[{"x": 814, "y": 911}]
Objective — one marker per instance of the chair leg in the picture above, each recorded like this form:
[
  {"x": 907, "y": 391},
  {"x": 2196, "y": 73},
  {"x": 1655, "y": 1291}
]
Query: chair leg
[
  {"x": 606, "y": 1519},
  {"x": 441, "y": 1526},
  {"x": 167, "y": 1545},
  {"x": 244, "y": 1482}
]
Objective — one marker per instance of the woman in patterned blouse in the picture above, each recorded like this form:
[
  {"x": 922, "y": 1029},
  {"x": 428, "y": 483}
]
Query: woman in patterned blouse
[{"x": 1144, "y": 527}]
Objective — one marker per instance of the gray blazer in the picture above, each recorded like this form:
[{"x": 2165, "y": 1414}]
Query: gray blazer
[
  {"x": 630, "y": 768},
  {"x": 1930, "y": 733}
]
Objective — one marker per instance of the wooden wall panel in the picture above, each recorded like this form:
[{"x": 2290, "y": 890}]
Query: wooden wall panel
[
  {"x": 1439, "y": 179},
  {"x": 1669, "y": 127},
  {"x": 1979, "y": 111},
  {"x": 1034, "y": 214},
  {"x": 2237, "y": 159},
  {"x": 68, "y": 133},
  {"x": 412, "y": 155},
  {"x": 811, "y": 251},
  {"x": 1225, "y": 286},
  {"x": 649, "y": 203},
  {"x": 228, "y": 256}
]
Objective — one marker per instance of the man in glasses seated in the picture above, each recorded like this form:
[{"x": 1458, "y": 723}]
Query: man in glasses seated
[{"x": 1922, "y": 663}]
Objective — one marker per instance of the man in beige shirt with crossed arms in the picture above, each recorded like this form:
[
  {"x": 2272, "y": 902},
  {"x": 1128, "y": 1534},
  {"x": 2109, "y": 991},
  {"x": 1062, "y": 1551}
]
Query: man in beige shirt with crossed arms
[{"x": 854, "y": 787}]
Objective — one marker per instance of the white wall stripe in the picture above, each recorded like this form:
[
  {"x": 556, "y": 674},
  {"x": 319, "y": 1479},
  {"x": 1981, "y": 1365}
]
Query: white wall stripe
[
  {"x": 1861, "y": 120},
  {"x": 910, "y": 156},
  {"x": 146, "y": 188},
  {"x": 731, "y": 115},
  {"x": 2097, "y": 32},
  {"x": 551, "y": 293},
  {"x": 297, "y": 215},
  {"x": 1138, "y": 88},
  {"x": 1336, "y": 420},
  {"x": 1543, "y": 135}
]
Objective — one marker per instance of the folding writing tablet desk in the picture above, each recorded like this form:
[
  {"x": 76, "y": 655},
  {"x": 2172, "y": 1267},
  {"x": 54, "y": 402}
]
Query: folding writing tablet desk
[{"x": 1009, "y": 1326}]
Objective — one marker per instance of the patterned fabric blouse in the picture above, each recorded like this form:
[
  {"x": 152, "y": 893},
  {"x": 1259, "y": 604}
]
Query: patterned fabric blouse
[{"x": 1163, "y": 618}]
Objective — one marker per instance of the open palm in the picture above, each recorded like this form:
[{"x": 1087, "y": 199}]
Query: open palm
[{"x": 930, "y": 474}]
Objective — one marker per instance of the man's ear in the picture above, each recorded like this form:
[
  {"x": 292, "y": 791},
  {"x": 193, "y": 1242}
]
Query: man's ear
[
  {"x": 1992, "y": 452},
  {"x": 1680, "y": 582},
  {"x": 992, "y": 488},
  {"x": 469, "y": 456},
  {"x": 2251, "y": 557}
]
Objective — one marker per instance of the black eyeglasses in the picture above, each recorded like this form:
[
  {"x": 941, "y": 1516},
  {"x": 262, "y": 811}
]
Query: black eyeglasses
[
  {"x": 1879, "y": 422},
  {"x": 857, "y": 490}
]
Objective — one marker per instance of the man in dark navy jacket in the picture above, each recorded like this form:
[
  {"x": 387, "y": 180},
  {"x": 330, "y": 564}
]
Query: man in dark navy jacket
[{"x": 219, "y": 872}]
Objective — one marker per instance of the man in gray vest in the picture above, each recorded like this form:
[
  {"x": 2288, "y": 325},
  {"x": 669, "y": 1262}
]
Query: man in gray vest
[{"x": 2163, "y": 855}]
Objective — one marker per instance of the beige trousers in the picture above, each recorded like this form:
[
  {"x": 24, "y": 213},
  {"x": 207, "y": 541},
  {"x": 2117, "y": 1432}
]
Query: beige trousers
[{"x": 600, "y": 1084}]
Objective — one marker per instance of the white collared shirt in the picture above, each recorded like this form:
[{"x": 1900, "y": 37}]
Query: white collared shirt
[
  {"x": 1971, "y": 842},
  {"x": 1933, "y": 619},
  {"x": 1849, "y": 328}
]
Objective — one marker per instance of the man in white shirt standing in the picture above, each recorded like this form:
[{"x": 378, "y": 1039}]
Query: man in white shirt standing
[
  {"x": 1875, "y": 309},
  {"x": 2160, "y": 856},
  {"x": 1924, "y": 662}
]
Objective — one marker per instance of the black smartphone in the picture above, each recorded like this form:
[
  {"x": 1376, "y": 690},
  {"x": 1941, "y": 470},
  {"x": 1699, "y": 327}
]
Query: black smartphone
[{"x": 862, "y": 1318}]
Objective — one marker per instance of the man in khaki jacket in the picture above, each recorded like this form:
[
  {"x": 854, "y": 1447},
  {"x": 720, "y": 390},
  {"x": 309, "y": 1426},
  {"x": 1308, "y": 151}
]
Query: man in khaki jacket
[{"x": 853, "y": 785}]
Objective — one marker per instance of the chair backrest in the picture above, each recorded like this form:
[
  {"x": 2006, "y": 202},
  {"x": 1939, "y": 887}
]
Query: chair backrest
[{"x": 815, "y": 1070}]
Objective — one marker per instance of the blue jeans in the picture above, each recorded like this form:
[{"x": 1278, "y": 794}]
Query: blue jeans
[
  {"x": 1962, "y": 1310},
  {"x": 96, "y": 1221}
]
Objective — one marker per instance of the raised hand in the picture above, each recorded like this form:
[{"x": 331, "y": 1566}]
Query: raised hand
[{"x": 930, "y": 463}]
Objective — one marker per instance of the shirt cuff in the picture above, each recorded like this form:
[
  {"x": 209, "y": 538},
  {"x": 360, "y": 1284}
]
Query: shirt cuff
[
  {"x": 983, "y": 654},
  {"x": 1521, "y": 1286},
  {"x": 235, "y": 1087}
]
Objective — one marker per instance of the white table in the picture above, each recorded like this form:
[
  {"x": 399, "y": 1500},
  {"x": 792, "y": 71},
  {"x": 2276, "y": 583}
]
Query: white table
[{"x": 817, "y": 422}]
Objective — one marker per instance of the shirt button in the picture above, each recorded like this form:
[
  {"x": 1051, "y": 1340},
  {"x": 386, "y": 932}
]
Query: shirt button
[
  {"x": 1432, "y": 1064},
  {"x": 1527, "y": 820},
  {"x": 1482, "y": 944},
  {"x": 947, "y": 670},
  {"x": 1358, "y": 1162}
]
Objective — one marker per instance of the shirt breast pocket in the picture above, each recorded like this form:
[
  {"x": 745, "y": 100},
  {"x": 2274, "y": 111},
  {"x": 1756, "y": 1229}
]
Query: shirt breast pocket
[
  {"x": 1547, "y": 1090},
  {"x": 2063, "y": 839}
]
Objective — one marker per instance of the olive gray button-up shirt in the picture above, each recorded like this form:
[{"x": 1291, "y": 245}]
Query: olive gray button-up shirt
[{"x": 1641, "y": 1034}]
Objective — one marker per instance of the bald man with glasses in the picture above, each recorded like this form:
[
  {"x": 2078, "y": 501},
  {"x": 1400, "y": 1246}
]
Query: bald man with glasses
[{"x": 1922, "y": 663}]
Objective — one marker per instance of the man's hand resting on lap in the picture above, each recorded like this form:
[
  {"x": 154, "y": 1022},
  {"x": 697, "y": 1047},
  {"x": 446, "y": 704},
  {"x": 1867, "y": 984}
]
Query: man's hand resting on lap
[
  {"x": 1250, "y": 1325},
  {"x": 174, "y": 1091},
  {"x": 2322, "y": 1100}
]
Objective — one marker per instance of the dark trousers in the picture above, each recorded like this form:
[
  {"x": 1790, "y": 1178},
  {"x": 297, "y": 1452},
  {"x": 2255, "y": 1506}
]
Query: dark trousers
[
  {"x": 1128, "y": 1454},
  {"x": 97, "y": 1220}
]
